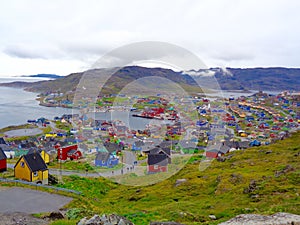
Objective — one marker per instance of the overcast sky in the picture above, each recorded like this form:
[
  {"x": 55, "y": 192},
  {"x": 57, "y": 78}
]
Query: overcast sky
[{"x": 68, "y": 36}]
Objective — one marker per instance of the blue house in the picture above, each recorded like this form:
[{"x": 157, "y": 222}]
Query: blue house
[
  {"x": 137, "y": 146},
  {"x": 106, "y": 159},
  {"x": 201, "y": 123},
  {"x": 254, "y": 143}
]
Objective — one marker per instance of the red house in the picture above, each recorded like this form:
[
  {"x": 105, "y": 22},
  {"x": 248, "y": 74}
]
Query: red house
[
  {"x": 74, "y": 154},
  {"x": 3, "y": 164},
  {"x": 213, "y": 153},
  {"x": 157, "y": 163},
  {"x": 69, "y": 152}
]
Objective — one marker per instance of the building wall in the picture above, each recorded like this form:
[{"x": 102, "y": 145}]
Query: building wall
[
  {"x": 157, "y": 168},
  {"x": 45, "y": 156},
  {"x": 42, "y": 176},
  {"x": 211, "y": 154},
  {"x": 100, "y": 163},
  {"x": 3, "y": 165},
  {"x": 22, "y": 172}
]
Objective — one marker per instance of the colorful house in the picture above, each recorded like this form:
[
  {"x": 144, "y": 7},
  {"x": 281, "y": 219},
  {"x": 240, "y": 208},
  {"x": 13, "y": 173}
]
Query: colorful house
[
  {"x": 187, "y": 147},
  {"x": 68, "y": 152},
  {"x": 157, "y": 163},
  {"x": 255, "y": 143},
  {"x": 3, "y": 163},
  {"x": 32, "y": 168},
  {"x": 213, "y": 153},
  {"x": 137, "y": 146},
  {"x": 106, "y": 159}
]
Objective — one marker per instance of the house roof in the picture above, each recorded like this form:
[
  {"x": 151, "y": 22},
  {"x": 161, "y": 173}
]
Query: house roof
[
  {"x": 214, "y": 150},
  {"x": 165, "y": 144},
  {"x": 2, "y": 154},
  {"x": 27, "y": 144},
  {"x": 158, "y": 159},
  {"x": 2, "y": 141},
  {"x": 5, "y": 147},
  {"x": 218, "y": 147},
  {"x": 34, "y": 150},
  {"x": 160, "y": 151},
  {"x": 244, "y": 144},
  {"x": 111, "y": 147},
  {"x": 187, "y": 144},
  {"x": 102, "y": 156},
  {"x": 139, "y": 143},
  {"x": 72, "y": 152},
  {"x": 34, "y": 162}
]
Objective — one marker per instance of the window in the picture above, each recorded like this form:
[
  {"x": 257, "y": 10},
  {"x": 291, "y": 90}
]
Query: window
[
  {"x": 35, "y": 173},
  {"x": 22, "y": 164},
  {"x": 155, "y": 167}
]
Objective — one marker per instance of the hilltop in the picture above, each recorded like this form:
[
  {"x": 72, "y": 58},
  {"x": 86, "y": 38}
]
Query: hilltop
[{"x": 261, "y": 180}]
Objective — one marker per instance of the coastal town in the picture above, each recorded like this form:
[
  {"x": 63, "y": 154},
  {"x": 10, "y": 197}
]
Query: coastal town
[{"x": 77, "y": 144}]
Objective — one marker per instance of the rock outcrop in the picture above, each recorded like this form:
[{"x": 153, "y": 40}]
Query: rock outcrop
[
  {"x": 105, "y": 220},
  {"x": 254, "y": 219}
]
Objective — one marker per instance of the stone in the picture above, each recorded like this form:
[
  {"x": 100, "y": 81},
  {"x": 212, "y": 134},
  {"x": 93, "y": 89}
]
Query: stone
[
  {"x": 179, "y": 181},
  {"x": 94, "y": 220},
  {"x": 252, "y": 187},
  {"x": 165, "y": 223},
  {"x": 212, "y": 217},
  {"x": 82, "y": 221},
  {"x": 122, "y": 222},
  {"x": 255, "y": 219},
  {"x": 55, "y": 216},
  {"x": 113, "y": 219},
  {"x": 285, "y": 170}
]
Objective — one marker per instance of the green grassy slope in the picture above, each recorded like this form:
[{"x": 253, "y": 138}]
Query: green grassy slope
[{"x": 261, "y": 180}]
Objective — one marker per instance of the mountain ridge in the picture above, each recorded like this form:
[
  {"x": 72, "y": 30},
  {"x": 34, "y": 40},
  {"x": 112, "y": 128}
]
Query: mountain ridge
[{"x": 267, "y": 79}]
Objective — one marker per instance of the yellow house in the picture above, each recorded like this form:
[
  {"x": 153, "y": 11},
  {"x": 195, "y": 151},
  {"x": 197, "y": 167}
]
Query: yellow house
[
  {"x": 243, "y": 134},
  {"x": 51, "y": 135},
  {"x": 32, "y": 168},
  {"x": 45, "y": 156}
]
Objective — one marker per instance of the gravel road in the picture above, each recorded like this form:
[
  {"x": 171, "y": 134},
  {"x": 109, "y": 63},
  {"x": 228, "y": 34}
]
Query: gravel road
[
  {"x": 30, "y": 201},
  {"x": 23, "y": 132}
]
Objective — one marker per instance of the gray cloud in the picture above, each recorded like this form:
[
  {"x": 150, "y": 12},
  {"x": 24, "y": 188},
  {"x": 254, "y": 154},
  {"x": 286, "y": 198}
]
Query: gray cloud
[
  {"x": 32, "y": 51},
  {"x": 222, "y": 33},
  {"x": 229, "y": 56}
]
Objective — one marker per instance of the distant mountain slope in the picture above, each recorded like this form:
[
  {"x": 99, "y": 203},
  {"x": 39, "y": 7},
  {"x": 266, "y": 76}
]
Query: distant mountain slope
[
  {"x": 44, "y": 75},
  {"x": 266, "y": 79},
  {"x": 114, "y": 84},
  {"x": 271, "y": 79},
  {"x": 64, "y": 84}
]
